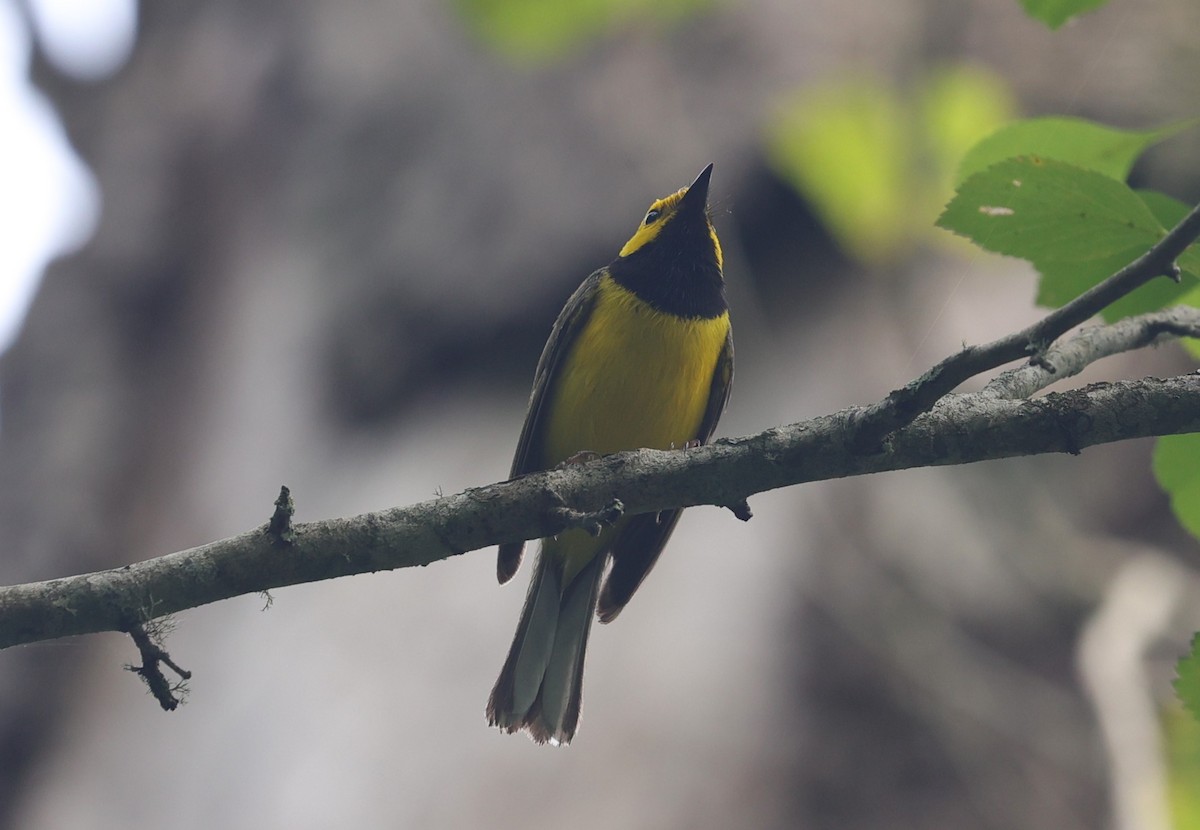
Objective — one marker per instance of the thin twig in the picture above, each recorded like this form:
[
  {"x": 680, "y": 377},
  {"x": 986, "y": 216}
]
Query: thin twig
[
  {"x": 903, "y": 405},
  {"x": 1072, "y": 356}
]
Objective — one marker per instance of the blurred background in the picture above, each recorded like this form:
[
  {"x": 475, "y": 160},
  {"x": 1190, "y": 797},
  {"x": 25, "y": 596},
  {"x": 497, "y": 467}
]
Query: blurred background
[{"x": 321, "y": 244}]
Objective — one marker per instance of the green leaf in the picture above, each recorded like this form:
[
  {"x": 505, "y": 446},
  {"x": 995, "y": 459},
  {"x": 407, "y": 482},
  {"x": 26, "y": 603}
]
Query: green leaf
[
  {"x": 1054, "y": 13},
  {"x": 1157, "y": 294},
  {"x": 1048, "y": 211},
  {"x": 876, "y": 162},
  {"x": 1072, "y": 270},
  {"x": 959, "y": 105},
  {"x": 1170, "y": 212},
  {"x": 1073, "y": 140},
  {"x": 1161, "y": 292},
  {"x": 1177, "y": 468},
  {"x": 1187, "y": 678},
  {"x": 1062, "y": 282},
  {"x": 846, "y": 147},
  {"x": 541, "y": 30},
  {"x": 1181, "y": 734}
]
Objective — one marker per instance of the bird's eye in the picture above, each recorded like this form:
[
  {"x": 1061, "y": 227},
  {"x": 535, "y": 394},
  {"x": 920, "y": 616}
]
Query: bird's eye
[{"x": 652, "y": 215}]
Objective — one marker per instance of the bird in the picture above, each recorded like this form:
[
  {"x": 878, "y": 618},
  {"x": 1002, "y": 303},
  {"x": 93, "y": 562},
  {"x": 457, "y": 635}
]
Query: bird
[{"x": 641, "y": 355}]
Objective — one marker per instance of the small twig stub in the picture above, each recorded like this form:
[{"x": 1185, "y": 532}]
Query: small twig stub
[
  {"x": 280, "y": 527},
  {"x": 169, "y": 695}
]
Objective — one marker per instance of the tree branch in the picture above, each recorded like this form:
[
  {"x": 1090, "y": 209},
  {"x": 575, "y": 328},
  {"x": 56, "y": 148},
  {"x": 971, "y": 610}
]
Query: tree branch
[
  {"x": 927, "y": 427},
  {"x": 960, "y": 429},
  {"x": 1070, "y": 358},
  {"x": 905, "y": 404}
]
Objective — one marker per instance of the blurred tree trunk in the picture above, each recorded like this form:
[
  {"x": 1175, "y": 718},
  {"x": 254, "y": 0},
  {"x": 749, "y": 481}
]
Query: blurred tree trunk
[{"x": 100, "y": 390}]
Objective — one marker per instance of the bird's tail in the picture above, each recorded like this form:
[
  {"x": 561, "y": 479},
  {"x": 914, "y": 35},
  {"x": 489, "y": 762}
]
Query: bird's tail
[{"x": 541, "y": 684}]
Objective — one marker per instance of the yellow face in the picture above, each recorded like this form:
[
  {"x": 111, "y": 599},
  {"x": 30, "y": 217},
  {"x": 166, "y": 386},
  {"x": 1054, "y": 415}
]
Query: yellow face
[{"x": 660, "y": 213}]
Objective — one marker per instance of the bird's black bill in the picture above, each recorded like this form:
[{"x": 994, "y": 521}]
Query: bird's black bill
[{"x": 697, "y": 193}]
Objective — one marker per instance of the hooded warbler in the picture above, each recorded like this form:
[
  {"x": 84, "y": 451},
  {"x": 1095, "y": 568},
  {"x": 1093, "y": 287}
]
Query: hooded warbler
[{"x": 640, "y": 356}]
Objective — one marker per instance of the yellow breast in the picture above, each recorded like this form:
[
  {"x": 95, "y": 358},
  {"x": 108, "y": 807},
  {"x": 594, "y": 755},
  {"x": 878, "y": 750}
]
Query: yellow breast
[{"x": 635, "y": 377}]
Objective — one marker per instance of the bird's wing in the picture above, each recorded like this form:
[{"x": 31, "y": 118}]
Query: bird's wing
[{"x": 566, "y": 328}]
